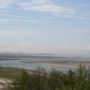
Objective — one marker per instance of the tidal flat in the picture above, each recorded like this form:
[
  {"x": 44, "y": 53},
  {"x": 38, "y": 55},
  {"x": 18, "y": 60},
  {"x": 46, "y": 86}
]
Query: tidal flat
[{"x": 48, "y": 62}]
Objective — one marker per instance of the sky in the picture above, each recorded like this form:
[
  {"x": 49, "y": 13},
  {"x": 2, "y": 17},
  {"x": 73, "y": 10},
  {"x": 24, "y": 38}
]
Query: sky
[{"x": 45, "y": 26}]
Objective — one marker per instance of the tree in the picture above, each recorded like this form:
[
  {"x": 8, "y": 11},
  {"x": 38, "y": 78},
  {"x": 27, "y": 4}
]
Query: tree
[{"x": 19, "y": 83}]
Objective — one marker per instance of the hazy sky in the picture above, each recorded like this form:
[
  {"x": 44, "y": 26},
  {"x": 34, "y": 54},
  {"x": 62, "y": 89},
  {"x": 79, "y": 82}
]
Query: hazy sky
[{"x": 45, "y": 26}]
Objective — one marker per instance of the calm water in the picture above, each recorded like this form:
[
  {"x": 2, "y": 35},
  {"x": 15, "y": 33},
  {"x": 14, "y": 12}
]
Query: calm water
[
  {"x": 33, "y": 64},
  {"x": 29, "y": 66}
]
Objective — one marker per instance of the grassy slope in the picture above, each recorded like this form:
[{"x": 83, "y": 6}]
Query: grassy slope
[{"x": 10, "y": 73}]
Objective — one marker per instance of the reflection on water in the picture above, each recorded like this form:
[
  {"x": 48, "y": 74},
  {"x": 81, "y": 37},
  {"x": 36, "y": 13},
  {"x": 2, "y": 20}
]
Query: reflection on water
[
  {"x": 29, "y": 66},
  {"x": 47, "y": 64}
]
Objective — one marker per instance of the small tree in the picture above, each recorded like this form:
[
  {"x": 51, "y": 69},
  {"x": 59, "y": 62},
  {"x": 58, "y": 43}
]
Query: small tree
[{"x": 20, "y": 82}]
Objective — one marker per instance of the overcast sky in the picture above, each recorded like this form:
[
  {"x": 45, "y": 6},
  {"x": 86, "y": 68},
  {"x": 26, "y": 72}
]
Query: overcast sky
[{"x": 45, "y": 26}]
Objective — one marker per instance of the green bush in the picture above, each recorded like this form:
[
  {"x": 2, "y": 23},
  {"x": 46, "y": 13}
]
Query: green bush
[{"x": 78, "y": 79}]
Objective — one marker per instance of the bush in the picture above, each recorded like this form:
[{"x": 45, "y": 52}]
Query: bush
[{"x": 78, "y": 79}]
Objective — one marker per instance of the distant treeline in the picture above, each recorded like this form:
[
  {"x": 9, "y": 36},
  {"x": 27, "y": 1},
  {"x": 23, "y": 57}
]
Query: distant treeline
[{"x": 78, "y": 79}]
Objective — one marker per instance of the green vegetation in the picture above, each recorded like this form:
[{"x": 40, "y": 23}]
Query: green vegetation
[
  {"x": 9, "y": 73},
  {"x": 71, "y": 80}
]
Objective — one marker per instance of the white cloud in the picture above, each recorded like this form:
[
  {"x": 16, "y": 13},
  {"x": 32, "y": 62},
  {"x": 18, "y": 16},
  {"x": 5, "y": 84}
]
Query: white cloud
[
  {"x": 46, "y": 6},
  {"x": 5, "y": 3},
  {"x": 38, "y": 6},
  {"x": 15, "y": 34},
  {"x": 17, "y": 20}
]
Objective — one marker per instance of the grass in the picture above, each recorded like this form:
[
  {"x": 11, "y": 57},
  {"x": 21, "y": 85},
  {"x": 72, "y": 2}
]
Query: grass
[
  {"x": 9, "y": 73},
  {"x": 12, "y": 73}
]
